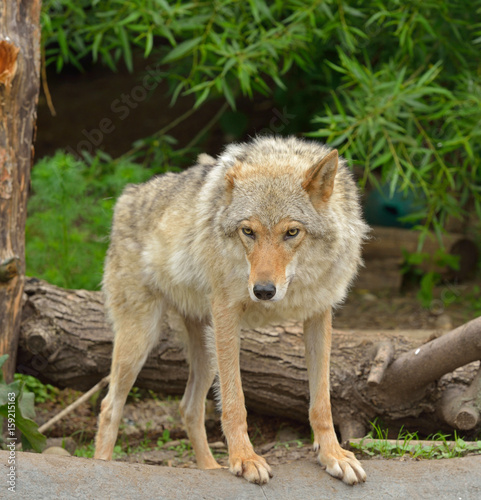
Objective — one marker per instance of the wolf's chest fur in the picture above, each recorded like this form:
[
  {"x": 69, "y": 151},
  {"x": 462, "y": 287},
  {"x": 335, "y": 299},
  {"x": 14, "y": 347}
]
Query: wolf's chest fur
[{"x": 186, "y": 282}]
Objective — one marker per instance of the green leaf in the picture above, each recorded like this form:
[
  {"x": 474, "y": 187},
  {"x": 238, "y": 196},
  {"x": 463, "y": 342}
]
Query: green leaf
[
  {"x": 258, "y": 7},
  {"x": 96, "y": 44},
  {"x": 107, "y": 59},
  {"x": 62, "y": 41},
  {"x": 31, "y": 438},
  {"x": 385, "y": 158},
  {"x": 228, "y": 94},
  {"x": 335, "y": 67},
  {"x": 129, "y": 19},
  {"x": 27, "y": 404},
  {"x": 3, "y": 358},
  {"x": 22, "y": 410},
  {"x": 149, "y": 43},
  {"x": 126, "y": 47},
  {"x": 5, "y": 389},
  {"x": 202, "y": 98},
  {"x": 181, "y": 50}
]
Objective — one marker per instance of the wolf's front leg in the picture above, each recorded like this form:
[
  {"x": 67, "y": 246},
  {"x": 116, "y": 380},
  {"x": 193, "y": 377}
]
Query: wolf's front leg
[
  {"x": 243, "y": 461},
  {"x": 339, "y": 463}
]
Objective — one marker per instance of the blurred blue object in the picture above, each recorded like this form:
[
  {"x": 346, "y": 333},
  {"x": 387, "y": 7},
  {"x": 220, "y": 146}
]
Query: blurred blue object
[{"x": 382, "y": 210}]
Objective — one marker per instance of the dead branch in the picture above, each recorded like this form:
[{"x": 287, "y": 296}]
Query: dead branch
[
  {"x": 461, "y": 409},
  {"x": 75, "y": 404},
  {"x": 414, "y": 370},
  {"x": 384, "y": 355}
]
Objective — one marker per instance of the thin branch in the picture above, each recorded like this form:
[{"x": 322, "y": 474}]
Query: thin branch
[
  {"x": 46, "y": 90},
  {"x": 161, "y": 132},
  {"x": 209, "y": 125},
  {"x": 75, "y": 404}
]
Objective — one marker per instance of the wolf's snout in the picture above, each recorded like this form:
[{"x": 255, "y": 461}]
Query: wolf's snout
[{"x": 264, "y": 291}]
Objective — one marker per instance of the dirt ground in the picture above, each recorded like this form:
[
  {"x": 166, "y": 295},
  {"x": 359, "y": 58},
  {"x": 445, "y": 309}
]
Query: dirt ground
[{"x": 152, "y": 431}]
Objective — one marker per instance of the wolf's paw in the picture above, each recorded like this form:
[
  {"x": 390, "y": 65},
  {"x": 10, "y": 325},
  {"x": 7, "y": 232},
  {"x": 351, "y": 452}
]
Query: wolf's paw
[
  {"x": 252, "y": 467},
  {"x": 341, "y": 464}
]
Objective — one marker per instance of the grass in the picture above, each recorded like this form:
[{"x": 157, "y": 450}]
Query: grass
[
  {"x": 183, "y": 446},
  {"x": 287, "y": 444},
  {"x": 88, "y": 451},
  {"x": 124, "y": 448},
  {"x": 408, "y": 444},
  {"x": 376, "y": 443}
]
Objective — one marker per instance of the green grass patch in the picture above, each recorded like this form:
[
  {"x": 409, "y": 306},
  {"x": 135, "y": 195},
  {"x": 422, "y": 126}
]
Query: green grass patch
[{"x": 408, "y": 444}]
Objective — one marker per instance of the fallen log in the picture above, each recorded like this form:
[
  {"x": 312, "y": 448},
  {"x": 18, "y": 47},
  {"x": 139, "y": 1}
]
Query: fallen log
[{"x": 66, "y": 341}]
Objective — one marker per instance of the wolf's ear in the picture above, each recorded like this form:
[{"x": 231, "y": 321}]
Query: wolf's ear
[
  {"x": 319, "y": 179},
  {"x": 230, "y": 177}
]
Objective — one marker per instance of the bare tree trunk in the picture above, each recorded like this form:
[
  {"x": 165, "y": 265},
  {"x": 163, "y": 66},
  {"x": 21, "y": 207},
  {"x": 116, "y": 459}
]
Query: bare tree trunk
[
  {"x": 66, "y": 341},
  {"x": 19, "y": 87}
]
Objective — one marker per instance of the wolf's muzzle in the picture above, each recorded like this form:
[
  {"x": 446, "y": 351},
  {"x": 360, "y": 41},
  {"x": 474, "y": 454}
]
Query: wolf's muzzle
[{"x": 264, "y": 291}]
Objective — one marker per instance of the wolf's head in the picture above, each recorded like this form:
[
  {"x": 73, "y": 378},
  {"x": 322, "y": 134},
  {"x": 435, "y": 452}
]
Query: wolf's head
[{"x": 277, "y": 194}]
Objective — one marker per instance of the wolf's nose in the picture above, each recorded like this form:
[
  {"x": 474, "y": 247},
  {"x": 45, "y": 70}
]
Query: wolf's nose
[{"x": 264, "y": 292}]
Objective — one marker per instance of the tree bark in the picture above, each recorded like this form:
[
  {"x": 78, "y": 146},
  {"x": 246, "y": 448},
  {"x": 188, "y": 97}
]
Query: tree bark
[
  {"x": 66, "y": 341},
  {"x": 19, "y": 87}
]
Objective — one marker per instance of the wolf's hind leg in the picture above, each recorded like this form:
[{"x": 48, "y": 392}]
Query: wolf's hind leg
[
  {"x": 192, "y": 406},
  {"x": 137, "y": 331}
]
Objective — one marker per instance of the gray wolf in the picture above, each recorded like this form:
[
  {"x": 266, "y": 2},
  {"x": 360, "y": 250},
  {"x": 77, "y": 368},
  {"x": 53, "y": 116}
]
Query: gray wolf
[{"x": 271, "y": 229}]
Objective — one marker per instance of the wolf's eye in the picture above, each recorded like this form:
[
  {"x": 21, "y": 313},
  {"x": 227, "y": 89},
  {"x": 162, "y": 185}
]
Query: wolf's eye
[
  {"x": 292, "y": 233},
  {"x": 248, "y": 232}
]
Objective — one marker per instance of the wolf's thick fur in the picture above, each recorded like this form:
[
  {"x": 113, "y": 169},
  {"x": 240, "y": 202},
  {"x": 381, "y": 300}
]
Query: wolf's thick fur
[{"x": 270, "y": 230}]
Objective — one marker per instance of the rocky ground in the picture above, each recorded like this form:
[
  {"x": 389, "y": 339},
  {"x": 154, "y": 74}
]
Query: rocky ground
[{"x": 47, "y": 476}]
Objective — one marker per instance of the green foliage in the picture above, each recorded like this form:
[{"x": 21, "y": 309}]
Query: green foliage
[
  {"x": 17, "y": 406},
  {"x": 406, "y": 105},
  {"x": 69, "y": 216},
  {"x": 165, "y": 438},
  {"x": 395, "y": 85},
  {"x": 474, "y": 299},
  {"x": 42, "y": 392},
  {"x": 88, "y": 451},
  {"x": 135, "y": 394},
  {"x": 407, "y": 444},
  {"x": 428, "y": 279},
  {"x": 287, "y": 444},
  {"x": 85, "y": 451},
  {"x": 219, "y": 47}
]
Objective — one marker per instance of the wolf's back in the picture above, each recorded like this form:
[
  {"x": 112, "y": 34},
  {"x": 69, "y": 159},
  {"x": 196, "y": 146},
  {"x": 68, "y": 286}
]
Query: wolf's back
[{"x": 140, "y": 206}]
